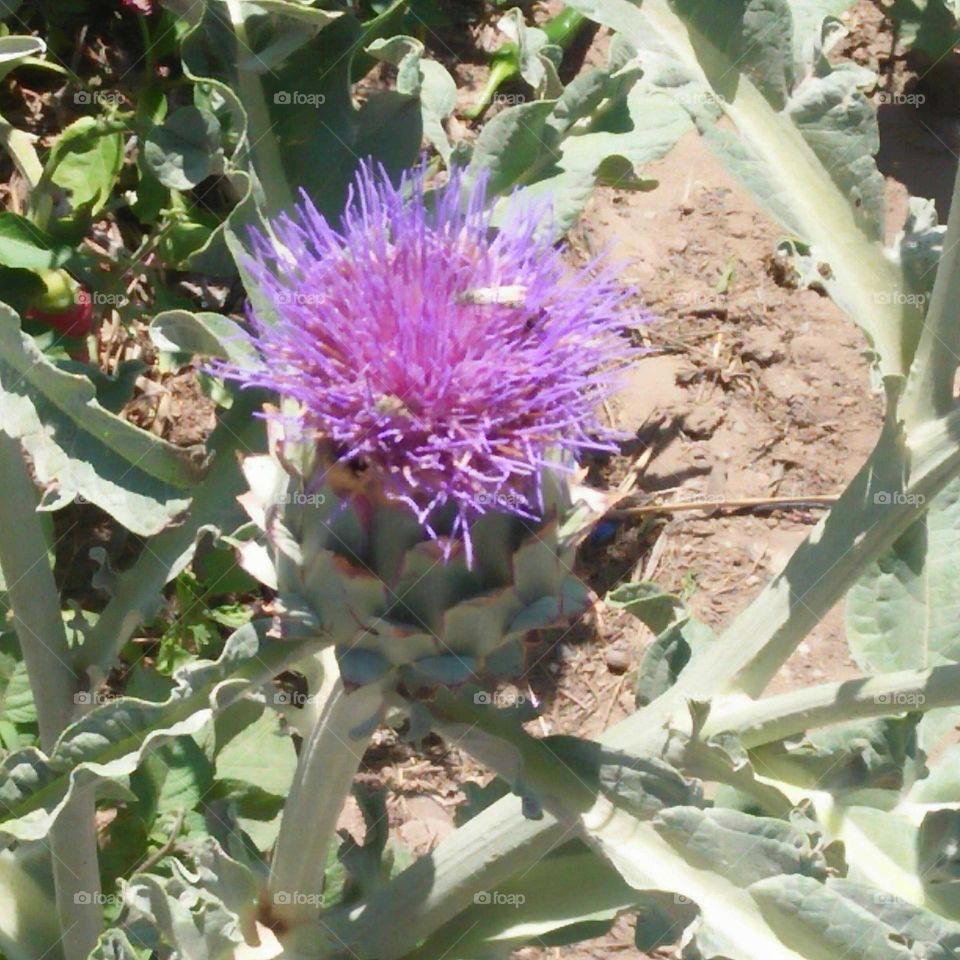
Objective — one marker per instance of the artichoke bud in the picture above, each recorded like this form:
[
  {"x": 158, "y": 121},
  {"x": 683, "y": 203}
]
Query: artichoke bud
[{"x": 396, "y": 598}]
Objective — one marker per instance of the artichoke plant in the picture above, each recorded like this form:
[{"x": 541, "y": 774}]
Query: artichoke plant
[
  {"x": 439, "y": 376},
  {"x": 419, "y": 508}
]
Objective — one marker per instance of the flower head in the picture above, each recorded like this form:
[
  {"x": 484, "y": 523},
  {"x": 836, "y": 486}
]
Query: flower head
[{"x": 449, "y": 360}]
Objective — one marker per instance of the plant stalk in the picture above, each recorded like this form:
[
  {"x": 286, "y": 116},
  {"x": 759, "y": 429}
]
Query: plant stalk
[
  {"x": 329, "y": 760},
  {"x": 930, "y": 387},
  {"x": 38, "y": 622},
  {"x": 757, "y": 722}
]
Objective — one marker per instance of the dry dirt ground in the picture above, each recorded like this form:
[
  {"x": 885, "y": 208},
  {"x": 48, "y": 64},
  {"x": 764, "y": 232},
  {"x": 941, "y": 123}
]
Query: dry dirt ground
[{"x": 750, "y": 389}]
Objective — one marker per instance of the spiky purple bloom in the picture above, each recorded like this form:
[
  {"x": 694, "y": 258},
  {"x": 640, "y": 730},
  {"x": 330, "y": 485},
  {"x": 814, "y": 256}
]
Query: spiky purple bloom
[{"x": 450, "y": 359}]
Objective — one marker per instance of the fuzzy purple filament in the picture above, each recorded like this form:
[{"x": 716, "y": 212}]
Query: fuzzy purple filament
[{"x": 451, "y": 359}]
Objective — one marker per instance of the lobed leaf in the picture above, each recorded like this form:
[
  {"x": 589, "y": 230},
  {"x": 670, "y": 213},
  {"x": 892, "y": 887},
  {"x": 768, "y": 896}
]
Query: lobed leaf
[
  {"x": 77, "y": 448},
  {"x": 113, "y": 739}
]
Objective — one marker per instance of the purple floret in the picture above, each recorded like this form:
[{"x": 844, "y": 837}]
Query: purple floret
[{"x": 450, "y": 359}]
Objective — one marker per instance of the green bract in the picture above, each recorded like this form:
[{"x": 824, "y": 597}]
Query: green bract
[{"x": 382, "y": 590}]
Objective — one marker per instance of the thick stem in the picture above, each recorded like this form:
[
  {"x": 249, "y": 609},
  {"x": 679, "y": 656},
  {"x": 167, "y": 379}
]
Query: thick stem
[
  {"x": 873, "y": 512},
  {"x": 329, "y": 760},
  {"x": 263, "y": 145},
  {"x": 43, "y": 640},
  {"x": 930, "y": 386},
  {"x": 757, "y": 722},
  {"x": 488, "y": 850}
]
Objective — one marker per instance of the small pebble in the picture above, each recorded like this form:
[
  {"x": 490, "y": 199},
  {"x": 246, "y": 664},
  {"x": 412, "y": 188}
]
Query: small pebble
[{"x": 618, "y": 661}]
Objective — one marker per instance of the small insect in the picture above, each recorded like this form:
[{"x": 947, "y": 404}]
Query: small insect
[
  {"x": 508, "y": 296},
  {"x": 390, "y": 403}
]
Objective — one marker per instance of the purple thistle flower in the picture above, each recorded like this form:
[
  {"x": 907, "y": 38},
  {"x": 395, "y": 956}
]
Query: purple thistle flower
[{"x": 452, "y": 361}]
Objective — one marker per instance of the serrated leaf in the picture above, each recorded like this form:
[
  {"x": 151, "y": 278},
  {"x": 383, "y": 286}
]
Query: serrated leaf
[
  {"x": 184, "y": 149},
  {"x": 678, "y": 635},
  {"x": 874, "y": 754},
  {"x": 86, "y": 160},
  {"x": 817, "y": 923},
  {"x": 112, "y": 740},
  {"x": 77, "y": 448},
  {"x": 905, "y": 611},
  {"x": 426, "y": 80}
]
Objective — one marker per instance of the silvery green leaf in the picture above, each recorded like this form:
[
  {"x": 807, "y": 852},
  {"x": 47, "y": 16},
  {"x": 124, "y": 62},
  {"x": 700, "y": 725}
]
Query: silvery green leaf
[
  {"x": 14, "y": 48},
  {"x": 601, "y": 128},
  {"x": 570, "y": 888},
  {"x": 872, "y": 754},
  {"x": 678, "y": 635},
  {"x": 905, "y": 611},
  {"x": 200, "y": 335},
  {"x": 255, "y": 770},
  {"x": 930, "y": 935},
  {"x": 79, "y": 449},
  {"x": 114, "y": 945},
  {"x": 742, "y": 847},
  {"x": 192, "y": 922},
  {"x": 424, "y": 79},
  {"x": 303, "y": 127},
  {"x": 111, "y": 740},
  {"x": 537, "y": 60},
  {"x": 724, "y": 761},
  {"x": 938, "y": 860},
  {"x": 816, "y": 922},
  {"x": 28, "y": 923},
  {"x": 185, "y": 148}
]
